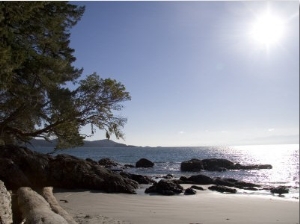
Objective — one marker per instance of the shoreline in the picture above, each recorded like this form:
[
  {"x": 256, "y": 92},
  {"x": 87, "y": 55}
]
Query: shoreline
[{"x": 205, "y": 207}]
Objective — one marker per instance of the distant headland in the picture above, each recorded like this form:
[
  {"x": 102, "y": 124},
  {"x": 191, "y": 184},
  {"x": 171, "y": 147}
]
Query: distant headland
[{"x": 98, "y": 143}]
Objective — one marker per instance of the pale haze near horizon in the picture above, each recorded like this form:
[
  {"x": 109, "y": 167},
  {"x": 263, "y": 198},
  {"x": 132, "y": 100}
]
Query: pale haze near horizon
[{"x": 195, "y": 73}]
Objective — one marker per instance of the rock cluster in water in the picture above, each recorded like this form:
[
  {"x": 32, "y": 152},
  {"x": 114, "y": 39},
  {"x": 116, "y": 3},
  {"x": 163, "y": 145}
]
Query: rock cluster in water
[{"x": 195, "y": 165}]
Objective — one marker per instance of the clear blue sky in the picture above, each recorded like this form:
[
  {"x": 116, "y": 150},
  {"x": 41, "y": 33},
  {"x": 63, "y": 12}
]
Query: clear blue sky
[{"x": 196, "y": 73}]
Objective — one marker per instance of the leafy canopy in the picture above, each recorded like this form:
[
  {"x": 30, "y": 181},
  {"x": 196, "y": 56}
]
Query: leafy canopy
[{"x": 35, "y": 68}]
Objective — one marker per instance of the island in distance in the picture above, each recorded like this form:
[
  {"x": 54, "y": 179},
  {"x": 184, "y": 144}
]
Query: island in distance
[{"x": 98, "y": 143}]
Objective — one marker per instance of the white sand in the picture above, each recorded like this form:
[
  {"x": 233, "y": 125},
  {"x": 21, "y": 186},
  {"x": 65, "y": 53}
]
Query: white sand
[{"x": 203, "y": 208}]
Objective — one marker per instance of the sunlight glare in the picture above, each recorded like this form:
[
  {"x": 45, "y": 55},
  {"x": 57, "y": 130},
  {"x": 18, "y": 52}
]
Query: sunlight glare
[{"x": 267, "y": 29}]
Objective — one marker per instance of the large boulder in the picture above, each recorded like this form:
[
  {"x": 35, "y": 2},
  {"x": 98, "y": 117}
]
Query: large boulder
[
  {"x": 193, "y": 165},
  {"x": 197, "y": 179},
  {"x": 165, "y": 187},
  {"x": 5, "y": 205},
  {"x": 65, "y": 171},
  {"x": 216, "y": 164},
  {"x": 145, "y": 163}
]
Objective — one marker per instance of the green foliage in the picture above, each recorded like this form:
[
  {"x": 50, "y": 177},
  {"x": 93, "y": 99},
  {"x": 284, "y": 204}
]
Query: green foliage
[{"x": 35, "y": 66}]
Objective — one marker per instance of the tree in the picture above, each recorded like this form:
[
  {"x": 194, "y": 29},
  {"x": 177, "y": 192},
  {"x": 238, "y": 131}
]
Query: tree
[{"x": 35, "y": 70}]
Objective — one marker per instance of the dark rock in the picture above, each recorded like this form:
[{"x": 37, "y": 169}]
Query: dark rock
[
  {"x": 197, "y": 179},
  {"x": 214, "y": 164},
  {"x": 197, "y": 188},
  {"x": 11, "y": 174},
  {"x": 108, "y": 163},
  {"x": 217, "y": 164},
  {"x": 37, "y": 170},
  {"x": 250, "y": 188},
  {"x": 265, "y": 166},
  {"x": 151, "y": 189},
  {"x": 91, "y": 161},
  {"x": 222, "y": 189},
  {"x": 190, "y": 191},
  {"x": 230, "y": 182},
  {"x": 129, "y": 166},
  {"x": 183, "y": 179},
  {"x": 243, "y": 185},
  {"x": 138, "y": 178},
  {"x": 144, "y": 163},
  {"x": 193, "y": 165},
  {"x": 280, "y": 190},
  {"x": 31, "y": 167},
  {"x": 252, "y": 167},
  {"x": 71, "y": 172},
  {"x": 165, "y": 187},
  {"x": 225, "y": 181},
  {"x": 218, "y": 169},
  {"x": 168, "y": 176},
  {"x": 111, "y": 165}
]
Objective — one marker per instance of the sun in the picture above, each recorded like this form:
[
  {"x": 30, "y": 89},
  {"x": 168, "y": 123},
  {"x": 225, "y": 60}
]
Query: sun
[{"x": 267, "y": 29}]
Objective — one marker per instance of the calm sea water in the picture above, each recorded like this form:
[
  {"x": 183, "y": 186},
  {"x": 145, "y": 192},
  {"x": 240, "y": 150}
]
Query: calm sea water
[{"x": 283, "y": 158}]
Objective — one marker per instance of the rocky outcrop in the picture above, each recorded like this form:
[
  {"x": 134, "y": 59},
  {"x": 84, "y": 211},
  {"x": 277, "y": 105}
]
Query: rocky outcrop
[
  {"x": 70, "y": 172},
  {"x": 32, "y": 169},
  {"x": 11, "y": 174},
  {"x": 197, "y": 179},
  {"x": 138, "y": 178},
  {"x": 222, "y": 189},
  {"x": 165, "y": 187},
  {"x": 230, "y": 182},
  {"x": 5, "y": 205},
  {"x": 205, "y": 180},
  {"x": 35, "y": 209},
  {"x": 280, "y": 190},
  {"x": 195, "y": 165},
  {"x": 145, "y": 163},
  {"x": 114, "y": 166},
  {"x": 108, "y": 163}
]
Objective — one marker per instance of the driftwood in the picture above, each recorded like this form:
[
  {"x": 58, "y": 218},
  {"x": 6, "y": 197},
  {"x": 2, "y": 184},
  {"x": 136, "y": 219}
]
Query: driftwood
[
  {"x": 5, "y": 205},
  {"x": 48, "y": 195},
  {"x": 35, "y": 209}
]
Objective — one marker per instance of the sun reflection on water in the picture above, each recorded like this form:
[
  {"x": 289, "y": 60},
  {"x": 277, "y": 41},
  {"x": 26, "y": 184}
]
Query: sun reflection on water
[{"x": 283, "y": 171}]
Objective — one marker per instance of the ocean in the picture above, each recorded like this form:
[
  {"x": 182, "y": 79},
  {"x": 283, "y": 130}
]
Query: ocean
[{"x": 167, "y": 160}]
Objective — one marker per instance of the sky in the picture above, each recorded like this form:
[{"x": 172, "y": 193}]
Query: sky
[{"x": 199, "y": 73}]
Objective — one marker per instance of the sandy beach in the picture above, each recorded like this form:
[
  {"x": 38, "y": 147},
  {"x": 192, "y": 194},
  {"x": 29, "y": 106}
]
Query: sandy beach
[{"x": 203, "y": 208}]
